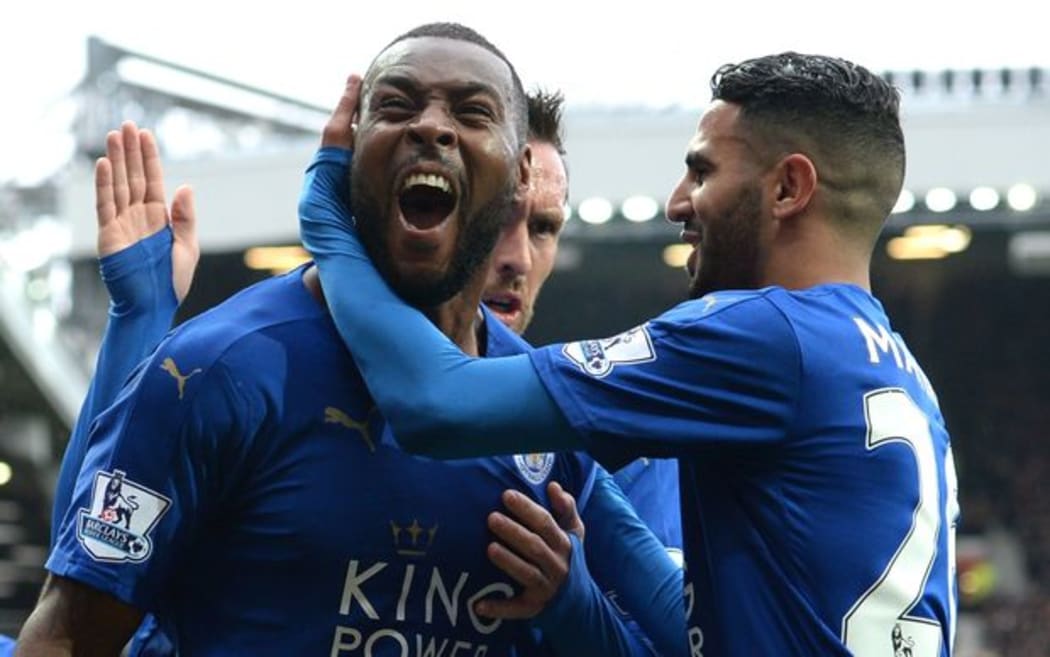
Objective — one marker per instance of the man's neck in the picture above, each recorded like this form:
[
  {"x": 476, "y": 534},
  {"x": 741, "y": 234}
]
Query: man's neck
[{"x": 457, "y": 318}]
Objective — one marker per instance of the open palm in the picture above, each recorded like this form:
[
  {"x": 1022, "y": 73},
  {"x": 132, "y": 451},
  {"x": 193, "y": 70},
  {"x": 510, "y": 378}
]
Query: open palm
[{"x": 130, "y": 203}]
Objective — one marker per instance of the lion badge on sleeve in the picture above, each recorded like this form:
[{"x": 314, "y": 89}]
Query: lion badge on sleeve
[{"x": 122, "y": 515}]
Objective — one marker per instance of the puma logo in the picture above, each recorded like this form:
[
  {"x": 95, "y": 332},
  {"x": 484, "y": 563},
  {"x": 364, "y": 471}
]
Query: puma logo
[
  {"x": 171, "y": 368},
  {"x": 333, "y": 415}
]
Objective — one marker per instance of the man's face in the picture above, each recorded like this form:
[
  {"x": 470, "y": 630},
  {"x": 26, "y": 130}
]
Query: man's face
[
  {"x": 524, "y": 255},
  {"x": 436, "y": 164},
  {"x": 719, "y": 203}
]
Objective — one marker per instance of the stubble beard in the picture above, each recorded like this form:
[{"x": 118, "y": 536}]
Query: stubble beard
[
  {"x": 475, "y": 239},
  {"x": 729, "y": 257}
]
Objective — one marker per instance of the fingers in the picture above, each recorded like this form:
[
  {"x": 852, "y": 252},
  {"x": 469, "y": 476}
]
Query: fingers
[
  {"x": 136, "y": 175},
  {"x": 105, "y": 205},
  {"x": 339, "y": 131},
  {"x": 563, "y": 505},
  {"x": 152, "y": 168},
  {"x": 184, "y": 213},
  {"x": 512, "y": 609},
  {"x": 524, "y": 605},
  {"x": 531, "y": 573},
  {"x": 533, "y": 551},
  {"x": 520, "y": 570},
  {"x": 536, "y": 518},
  {"x": 115, "y": 153},
  {"x": 542, "y": 555},
  {"x": 185, "y": 253},
  {"x": 184, "y": 216}
]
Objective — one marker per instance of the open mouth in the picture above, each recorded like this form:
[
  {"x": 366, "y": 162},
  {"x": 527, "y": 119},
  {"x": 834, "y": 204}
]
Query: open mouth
[
  {"x": 426, "y": 200},
  {"x": 503, "y": 304}
]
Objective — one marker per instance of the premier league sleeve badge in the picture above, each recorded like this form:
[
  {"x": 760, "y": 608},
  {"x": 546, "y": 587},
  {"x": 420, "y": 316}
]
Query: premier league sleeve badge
[{"x": 117, "y": 526}]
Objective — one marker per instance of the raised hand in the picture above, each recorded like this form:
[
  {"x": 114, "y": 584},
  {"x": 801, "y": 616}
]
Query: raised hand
[{"x": 130, "y": 203}]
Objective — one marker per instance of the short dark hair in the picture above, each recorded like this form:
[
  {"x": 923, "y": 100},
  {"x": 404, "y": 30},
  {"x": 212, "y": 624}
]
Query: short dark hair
[
  {"x": 545, "y": 114},
  {"x": 840, "y": 114},
  {"x": 460, "y": 32}
]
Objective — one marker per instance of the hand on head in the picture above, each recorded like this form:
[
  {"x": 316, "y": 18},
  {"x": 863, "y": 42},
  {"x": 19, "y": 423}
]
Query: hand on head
[{"x": 339, "y": 131}]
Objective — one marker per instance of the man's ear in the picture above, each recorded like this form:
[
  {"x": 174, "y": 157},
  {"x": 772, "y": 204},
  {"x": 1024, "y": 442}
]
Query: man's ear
[
  {"x": 795, "y": 182},
  {"x": 524, "y": 171}
]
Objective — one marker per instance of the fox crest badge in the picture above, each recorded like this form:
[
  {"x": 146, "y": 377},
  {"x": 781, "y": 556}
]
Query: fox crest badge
[
  {"x": 535, "y": 467},
  {"x": 122, "y": 515}
]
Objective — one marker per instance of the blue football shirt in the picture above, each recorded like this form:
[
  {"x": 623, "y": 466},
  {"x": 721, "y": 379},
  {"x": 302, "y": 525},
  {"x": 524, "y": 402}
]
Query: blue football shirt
[
  {"x": 798, "y": 419},
  {"x": 651, "y": 485},
  {"x": 245, "y": 489}
]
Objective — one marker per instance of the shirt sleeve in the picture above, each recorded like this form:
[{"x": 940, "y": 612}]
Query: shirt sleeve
[
  {"x": 687, "y": 381},
  {"x": 142, "y": 306},
  {"x": 628, "y": 561},
  {"x": 580, "y": 603},
  {"x": 157, "y": 464}
]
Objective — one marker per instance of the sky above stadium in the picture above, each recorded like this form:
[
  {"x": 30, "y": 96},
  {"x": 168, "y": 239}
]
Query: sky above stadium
[{"x": 653, "y": 52}]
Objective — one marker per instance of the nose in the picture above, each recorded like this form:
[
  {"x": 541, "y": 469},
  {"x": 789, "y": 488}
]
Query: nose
[
  {"x": 512, "y": 256},
  {"x": 679, "y": 207},
  {"x": 433, "y": 127}
]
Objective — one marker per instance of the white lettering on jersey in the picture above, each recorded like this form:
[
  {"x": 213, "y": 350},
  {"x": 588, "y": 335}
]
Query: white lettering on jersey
[
  {"x": 880, "y": 341},
  {"x": 414, "y": 604},
  {"x": 451, "y": 601},
  {"x": 351, "y": 641},
  {"x": 599, "y": 357}
]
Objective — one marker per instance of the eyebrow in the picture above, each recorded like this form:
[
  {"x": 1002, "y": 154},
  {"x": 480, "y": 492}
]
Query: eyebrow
[
  {"x": 555, "y": 215},
  {"x": 457, "y": 90},
  {"x": 695, "y": 160}
]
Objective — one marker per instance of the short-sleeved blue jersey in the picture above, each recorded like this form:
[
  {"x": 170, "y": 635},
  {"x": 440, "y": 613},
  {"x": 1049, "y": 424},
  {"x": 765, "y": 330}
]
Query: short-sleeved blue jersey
[
  {"x": 245, "y": 489},
  {"x": 817, "y": 482}
]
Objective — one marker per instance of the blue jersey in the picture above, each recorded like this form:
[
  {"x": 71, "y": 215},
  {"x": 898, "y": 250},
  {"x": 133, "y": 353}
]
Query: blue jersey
[
  {"x": 245, "y": 489},
  {"x": 797, "y": 418},
  {"x": 651, "y": 485}
]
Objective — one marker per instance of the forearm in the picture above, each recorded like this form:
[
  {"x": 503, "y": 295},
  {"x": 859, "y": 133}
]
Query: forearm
[
  {"x": 40, "y": 638},
  {"x": 459, "y": 406},
  {"x": 73, "y": 619},
  {"x": 141, "y": 311},
  {"x": 142, "y": 308},
  {"x": 581, "y": 604},
  {"x": 626, "y": 557}
]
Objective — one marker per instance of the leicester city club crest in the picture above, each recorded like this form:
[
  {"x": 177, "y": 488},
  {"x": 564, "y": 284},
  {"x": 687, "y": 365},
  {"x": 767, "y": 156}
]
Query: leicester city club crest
[
  {"x": 122, "y": 515},
  {"x": 535, "y": 467}
]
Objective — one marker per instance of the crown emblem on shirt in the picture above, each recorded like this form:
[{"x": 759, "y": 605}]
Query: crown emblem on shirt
[{"x": 414, "y": 539}]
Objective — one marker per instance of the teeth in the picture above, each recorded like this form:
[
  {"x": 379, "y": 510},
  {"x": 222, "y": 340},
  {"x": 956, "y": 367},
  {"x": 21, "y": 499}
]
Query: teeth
[{"x": 428, "y": 179}]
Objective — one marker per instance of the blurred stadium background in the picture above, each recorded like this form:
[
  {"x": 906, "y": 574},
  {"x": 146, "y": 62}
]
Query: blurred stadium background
[{"x": 963, "y": 268}]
